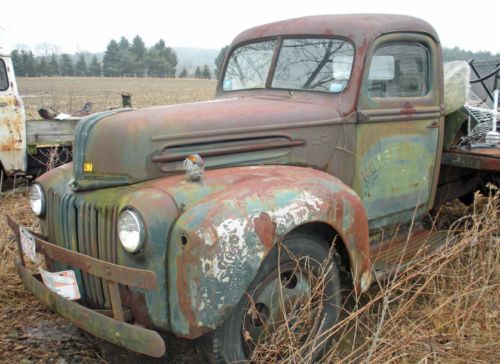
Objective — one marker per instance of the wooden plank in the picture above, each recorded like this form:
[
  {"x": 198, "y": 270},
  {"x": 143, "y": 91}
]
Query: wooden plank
[{"x": 50, "y": 131}]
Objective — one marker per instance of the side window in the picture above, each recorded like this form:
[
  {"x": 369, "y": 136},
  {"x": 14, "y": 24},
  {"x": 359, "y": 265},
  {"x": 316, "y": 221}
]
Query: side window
[
  {"x": 4, "y": 82},
  {"x": 399, "y": 70}
]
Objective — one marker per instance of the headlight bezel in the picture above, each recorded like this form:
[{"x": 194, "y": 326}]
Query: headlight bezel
[
  {"x": 139, "y": 221},
  {"x": 41, "y": 211}
]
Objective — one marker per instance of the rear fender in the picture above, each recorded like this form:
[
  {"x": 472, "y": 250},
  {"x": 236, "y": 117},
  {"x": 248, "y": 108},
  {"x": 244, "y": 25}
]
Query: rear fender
[{"x": 218, "y": 244}]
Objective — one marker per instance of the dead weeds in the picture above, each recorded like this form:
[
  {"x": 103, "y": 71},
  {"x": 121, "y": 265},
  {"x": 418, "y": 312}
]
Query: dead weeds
[{"x": 442, "y": 310}]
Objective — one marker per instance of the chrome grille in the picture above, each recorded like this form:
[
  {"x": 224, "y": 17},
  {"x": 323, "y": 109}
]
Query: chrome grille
[{"x": 86, "y": 228}]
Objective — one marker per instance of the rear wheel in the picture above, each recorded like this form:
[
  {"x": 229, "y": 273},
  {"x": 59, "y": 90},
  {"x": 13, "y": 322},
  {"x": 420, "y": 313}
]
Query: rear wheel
[{"x": 295, "y": 295}]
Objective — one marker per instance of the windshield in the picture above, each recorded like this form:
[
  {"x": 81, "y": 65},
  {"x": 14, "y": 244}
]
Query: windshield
[
  {"x": 249, "y": 66},
  {"x": 303, "y": 64}
]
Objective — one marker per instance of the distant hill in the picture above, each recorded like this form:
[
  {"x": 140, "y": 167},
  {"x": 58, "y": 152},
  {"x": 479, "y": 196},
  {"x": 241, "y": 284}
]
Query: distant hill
[{"x": 192, "y": 57}]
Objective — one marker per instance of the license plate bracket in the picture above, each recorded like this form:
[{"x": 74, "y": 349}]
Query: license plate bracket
[{"x": 28, "y": 244}]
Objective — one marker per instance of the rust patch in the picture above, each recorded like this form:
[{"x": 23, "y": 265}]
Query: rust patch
[
  {"x": 6, "y": 147},
  {"x": 408, "y": 109},
  {"x": 183, "y": 292},
  {"x": 185, "y": 260},
  {"x": 137, "y": 303},
  {"x": 265, "y": 229}
]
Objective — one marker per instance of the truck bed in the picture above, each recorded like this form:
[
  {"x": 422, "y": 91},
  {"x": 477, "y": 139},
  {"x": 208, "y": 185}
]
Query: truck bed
[
  {"x": 483, "y": 159},
  {"x": 49, "y": 144},
  {"x": 50, "y": 132}
]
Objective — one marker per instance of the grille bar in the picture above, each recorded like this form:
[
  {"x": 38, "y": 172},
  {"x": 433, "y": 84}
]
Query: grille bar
[{"x": 88, "y": 229}]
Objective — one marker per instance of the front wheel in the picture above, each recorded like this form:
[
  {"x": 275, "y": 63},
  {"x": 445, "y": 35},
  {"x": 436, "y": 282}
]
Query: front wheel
[{"x": 294, "y": 298}]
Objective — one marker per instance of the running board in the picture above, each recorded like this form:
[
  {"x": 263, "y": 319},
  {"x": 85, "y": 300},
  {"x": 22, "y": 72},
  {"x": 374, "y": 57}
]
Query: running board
[{"x": 391, "y": 256}]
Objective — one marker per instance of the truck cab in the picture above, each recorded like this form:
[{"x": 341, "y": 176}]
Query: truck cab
[
  {"x": 319, "y": 157},
  {"x": 382, "y": 134},
  {"x": 28, "y": 147}
]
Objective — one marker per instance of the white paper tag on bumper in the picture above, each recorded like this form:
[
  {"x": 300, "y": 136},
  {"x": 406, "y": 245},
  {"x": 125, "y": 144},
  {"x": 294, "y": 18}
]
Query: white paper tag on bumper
[
  {"x": 63, "y": 283},
  {"x": 28, "y": 244}
]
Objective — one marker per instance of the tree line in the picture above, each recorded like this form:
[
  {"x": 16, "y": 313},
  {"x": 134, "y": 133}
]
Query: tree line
[
  {"x": 459, "y": 54},
  {"x": 125, "y": 59},
  {"x": 121, "y": 59}
]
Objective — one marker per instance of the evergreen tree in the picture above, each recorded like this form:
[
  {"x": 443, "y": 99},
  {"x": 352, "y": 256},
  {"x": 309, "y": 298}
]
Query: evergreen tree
[
  {"x": 42, "y": 67},
  {"x": 67, "y": 68},
  {"x": 219, "y": 60},
  {"x": 197, "y": 72},
  {"x": 53, "y": 66},
  {"x": 184, "y": 73},
  {"x": 29, "y": 63},
  {"x": 95, "y": 67},
  {"x": 81, "y": 67},
  {"x": 206, "y": 74},
  {"x": 173, "y": 60},
  {"x": 161, "y": 61},
  {"x": 17, "y": 60},
  {"x": 111, "y": 60},
  {"x": 138, "y": 50},
  {"x": 126, "y": 62},
  {"x": 124, "y": 43}
]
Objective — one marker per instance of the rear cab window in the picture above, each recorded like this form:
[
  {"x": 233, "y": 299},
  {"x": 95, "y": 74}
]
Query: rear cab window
[
  {"x": 399, "y": 70},
  {"x": 4, "y": 81}
]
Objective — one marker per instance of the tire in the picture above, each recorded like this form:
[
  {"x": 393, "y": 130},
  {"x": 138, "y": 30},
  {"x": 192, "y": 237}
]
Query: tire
[{"x": 233, "y": 341}]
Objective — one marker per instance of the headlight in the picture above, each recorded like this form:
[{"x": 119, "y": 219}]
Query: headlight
[
  {"x": 131, "y": 231},
  {"x": 37, "y": 200}
]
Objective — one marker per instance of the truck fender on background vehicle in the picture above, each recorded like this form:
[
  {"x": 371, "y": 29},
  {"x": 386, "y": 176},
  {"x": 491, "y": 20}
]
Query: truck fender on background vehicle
[{"x": 218, "y": 244}]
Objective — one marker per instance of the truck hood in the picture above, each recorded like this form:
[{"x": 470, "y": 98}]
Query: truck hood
[{"x": 127, "y": 146}]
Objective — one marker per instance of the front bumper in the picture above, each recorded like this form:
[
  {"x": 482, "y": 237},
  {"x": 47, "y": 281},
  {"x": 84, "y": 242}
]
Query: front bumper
[{"x": 114, "y": 330}]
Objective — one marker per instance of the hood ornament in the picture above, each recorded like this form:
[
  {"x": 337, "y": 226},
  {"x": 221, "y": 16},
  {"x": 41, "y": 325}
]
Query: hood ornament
[{"x": 194, "y": 166}]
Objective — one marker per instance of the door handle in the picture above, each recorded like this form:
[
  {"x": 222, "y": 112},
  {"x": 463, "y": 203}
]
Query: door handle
[{"x": 434, "y": 124}]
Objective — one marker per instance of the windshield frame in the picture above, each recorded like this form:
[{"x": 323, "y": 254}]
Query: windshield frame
[{"x": 274, "y": 62}]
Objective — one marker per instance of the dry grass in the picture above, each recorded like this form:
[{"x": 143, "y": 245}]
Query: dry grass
[
  {"x": 17, "y": 307},
  {"x": 25, "y": 324},
  {"x": 68, "y": 94},
  {"x": 442, "y": 310},
  {"x": 28, "y": 330}
]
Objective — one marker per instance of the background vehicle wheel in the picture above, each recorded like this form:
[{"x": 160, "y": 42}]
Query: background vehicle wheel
[{"x": 286, "y": 283}]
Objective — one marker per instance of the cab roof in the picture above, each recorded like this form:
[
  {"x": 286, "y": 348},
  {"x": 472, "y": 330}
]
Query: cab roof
[
  {"x": 360, "y": 28},
  {"x": 4, "y": 52}
]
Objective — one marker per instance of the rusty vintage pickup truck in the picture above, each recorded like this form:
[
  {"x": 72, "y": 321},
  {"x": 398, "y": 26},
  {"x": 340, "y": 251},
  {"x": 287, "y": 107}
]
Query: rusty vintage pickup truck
[{"x": 210, "y": 220}]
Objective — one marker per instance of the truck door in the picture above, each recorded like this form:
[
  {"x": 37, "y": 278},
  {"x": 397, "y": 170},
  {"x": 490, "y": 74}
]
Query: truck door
[
  {"x": 399, "y": 129},
  {"x": 12, "y": 122}
]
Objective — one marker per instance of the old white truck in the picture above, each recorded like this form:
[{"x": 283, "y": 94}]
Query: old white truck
[{"x": 27, "y": 147}]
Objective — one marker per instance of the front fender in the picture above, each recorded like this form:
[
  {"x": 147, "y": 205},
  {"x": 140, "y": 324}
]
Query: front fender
[{"x": 218, "y": 243}]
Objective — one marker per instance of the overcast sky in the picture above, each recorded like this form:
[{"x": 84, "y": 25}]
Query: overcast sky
[{"x": 89, "y": 25}]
